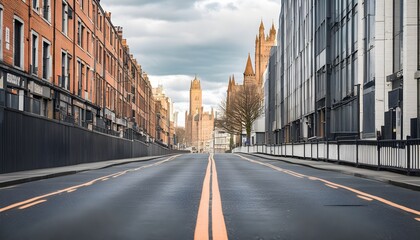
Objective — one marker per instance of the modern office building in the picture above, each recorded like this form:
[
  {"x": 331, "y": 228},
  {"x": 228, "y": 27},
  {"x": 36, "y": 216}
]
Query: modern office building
[{"x": 347, "y": 69}]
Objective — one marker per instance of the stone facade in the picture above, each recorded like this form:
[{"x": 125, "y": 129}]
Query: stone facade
[{"x": 198, "y": 124}]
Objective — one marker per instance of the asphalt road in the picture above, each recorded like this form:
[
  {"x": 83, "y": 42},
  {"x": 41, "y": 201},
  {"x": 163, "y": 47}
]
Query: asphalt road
[{"x": 193, "y": 196}]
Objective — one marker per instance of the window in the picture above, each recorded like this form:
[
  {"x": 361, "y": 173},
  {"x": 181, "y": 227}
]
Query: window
[
  {"x": 100, "y": 21},
  {"x": 100, "y": 54},
  {"x": 79, "y": 30},
  {"x": 88, "y": 41},
  {"x": 88, "y": 8},
  {"x": 87, "y": 79},
  {"x": 65, "y": 18},
  {"x": 369, "y": 74},
  {"x": 65, "y": 70},
  {"x": 46, "y": 72},
  {"x": 111, "y": 38},
  {"x": 34, "y": 54},
  {"x": 398, "y": 35},
  {"x": 46, "y": 10},
  {"x": 35, "y": 5},
  {"x": 80, "y": 77},
  {"x": 18, "y": 43}
]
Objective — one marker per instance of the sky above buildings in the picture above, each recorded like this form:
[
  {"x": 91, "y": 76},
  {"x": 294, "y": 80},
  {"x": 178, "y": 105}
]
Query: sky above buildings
[{"x": 175, "y": 39}]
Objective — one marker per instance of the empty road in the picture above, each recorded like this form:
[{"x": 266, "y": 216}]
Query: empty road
[{"x": 200, "y": 196}]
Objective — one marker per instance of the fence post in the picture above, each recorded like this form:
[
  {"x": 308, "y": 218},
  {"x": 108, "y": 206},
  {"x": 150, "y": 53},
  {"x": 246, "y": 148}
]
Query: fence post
[
  {"x": 357, "y": 153},
  {"x": 293, "y": 150},
  {"x": 379, "y": 154},
  {"x": 338, "y": 152},
  {"x": 317, "y": 150},
  {"x": 328, "y": 151},
  {"x": 408, "y": 156},
  {"x": 304, "y": 150}
]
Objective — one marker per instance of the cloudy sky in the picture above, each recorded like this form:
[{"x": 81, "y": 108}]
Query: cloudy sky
[{"x": 175, "y": 39}]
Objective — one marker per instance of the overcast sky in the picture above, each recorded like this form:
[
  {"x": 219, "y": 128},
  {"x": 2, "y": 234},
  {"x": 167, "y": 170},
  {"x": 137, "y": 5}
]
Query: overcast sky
[{"x": 175, "y": 39}]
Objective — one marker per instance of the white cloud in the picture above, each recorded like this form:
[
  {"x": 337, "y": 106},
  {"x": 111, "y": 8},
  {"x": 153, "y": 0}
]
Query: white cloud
[{"x": 173, "y": 40}]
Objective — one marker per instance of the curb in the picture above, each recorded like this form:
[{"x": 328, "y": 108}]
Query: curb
[
  {"x": 388, "y": 181},
  {"x": 65, "y": 173}
]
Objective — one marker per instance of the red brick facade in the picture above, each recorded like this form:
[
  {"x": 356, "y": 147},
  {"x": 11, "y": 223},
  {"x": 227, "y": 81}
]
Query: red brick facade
[{"x": 65, "y": 60}]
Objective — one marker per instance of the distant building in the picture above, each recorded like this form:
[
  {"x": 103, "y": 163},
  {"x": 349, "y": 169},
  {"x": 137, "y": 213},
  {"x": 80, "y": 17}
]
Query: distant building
[
  {"x": 263, "y": 45},
  {"x": 198, "y": 124},
  {"x": 165, "y": 130},
  {"x": 221, "y": 141}
]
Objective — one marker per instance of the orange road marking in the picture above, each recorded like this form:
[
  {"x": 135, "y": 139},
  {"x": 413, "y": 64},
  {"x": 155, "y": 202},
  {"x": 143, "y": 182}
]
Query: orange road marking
[
  {"x": 218, "y": 220},
  {"x": 365, "y": 198},
  {"x": 417, "y": 219},
  {"x": 367, "y": 195},
  {"x": 202, "y": 226},
  {"x": 331, "y": 186},
  {"x": 32, "y": 204},
  {"x": 71, "y": 189}
]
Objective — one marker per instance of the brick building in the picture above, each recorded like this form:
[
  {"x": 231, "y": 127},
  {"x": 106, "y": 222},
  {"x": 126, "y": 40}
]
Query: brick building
[
  {"x": 165, "y": 129},
  {"x": 65, "y": 60}
]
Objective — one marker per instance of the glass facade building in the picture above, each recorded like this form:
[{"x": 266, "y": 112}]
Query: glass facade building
[{"x": 341, "y": 67}]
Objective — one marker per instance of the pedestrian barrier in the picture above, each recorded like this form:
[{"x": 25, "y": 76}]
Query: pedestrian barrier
[
  {"x": 28, "y": 141},
  {"x": 401, "y": 155}
]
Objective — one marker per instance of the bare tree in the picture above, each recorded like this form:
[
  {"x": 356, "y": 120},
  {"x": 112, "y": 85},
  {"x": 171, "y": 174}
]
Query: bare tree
[
  {"x": 180, "y": 135},
  {"x": 241, "y": 110}
]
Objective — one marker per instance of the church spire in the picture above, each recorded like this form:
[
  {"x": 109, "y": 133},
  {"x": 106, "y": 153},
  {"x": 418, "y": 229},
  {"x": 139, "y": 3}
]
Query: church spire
[{"x": 248, "y": 69}]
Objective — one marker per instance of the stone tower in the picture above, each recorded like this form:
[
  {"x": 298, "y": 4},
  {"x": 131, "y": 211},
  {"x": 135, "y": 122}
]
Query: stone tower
[
  {"x": 198, "y": 124},
  {"x": 263, "y": 46},
  {"x": 196, "y": 100},
  {"x": 249, "y": 75}
]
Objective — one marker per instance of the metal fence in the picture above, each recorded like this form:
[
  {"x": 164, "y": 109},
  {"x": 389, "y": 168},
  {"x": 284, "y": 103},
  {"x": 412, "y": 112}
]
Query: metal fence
[
  {"x": 28, "y": 141},
  {"x": 401, "y": 155}
]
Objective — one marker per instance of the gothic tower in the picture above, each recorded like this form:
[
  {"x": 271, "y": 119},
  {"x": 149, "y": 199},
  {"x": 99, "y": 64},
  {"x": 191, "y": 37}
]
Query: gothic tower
[
  {"x": 195, "y": 97},
  {"x": 198, "y": 124},
  {"x": 249, "y": 75},
  {"x": 263, "y": 46}
]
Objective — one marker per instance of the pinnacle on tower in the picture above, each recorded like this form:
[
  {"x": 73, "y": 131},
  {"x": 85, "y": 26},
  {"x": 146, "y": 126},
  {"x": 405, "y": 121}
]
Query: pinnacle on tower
[
  {"x": 261, "y": 28},
  {"x": 195, "y": 84},
  {"x": 249, "y": 70}
]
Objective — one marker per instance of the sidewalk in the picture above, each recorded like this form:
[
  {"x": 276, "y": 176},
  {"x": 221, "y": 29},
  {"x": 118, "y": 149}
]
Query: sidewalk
[
  {"x": 400, "y": 180},
  {"x": 9, "y": 179}
]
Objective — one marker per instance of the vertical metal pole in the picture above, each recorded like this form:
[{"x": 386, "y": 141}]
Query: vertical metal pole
[
  {"x": 408, "y": 146},
  {"x": 379, "y": 154},
  {"x": 357, "y": 153}
]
